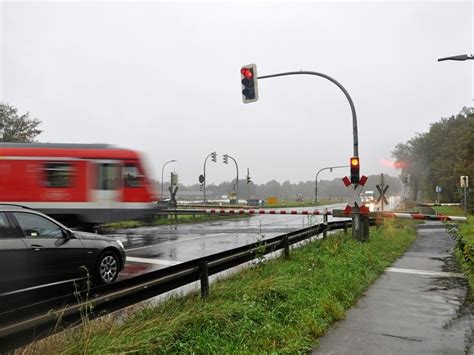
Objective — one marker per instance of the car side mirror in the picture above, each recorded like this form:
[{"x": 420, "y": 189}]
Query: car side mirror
[{"x": 68, "y": 234}]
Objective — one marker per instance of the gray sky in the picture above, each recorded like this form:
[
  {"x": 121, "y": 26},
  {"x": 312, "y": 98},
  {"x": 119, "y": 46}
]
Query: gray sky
[{"x": 163, "y": 78}]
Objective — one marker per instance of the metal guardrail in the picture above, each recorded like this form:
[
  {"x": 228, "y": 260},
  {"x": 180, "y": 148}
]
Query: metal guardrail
[{"x": 21, "y": 325}]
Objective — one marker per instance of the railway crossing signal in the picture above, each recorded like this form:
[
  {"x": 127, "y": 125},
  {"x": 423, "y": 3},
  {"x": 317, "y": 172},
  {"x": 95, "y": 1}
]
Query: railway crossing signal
[
  {"x": 355, "y": 170},
  {"x": 354, "y": 199},
  {"x": 248, "y": 76},
  {"x": 382, "y": 190}
]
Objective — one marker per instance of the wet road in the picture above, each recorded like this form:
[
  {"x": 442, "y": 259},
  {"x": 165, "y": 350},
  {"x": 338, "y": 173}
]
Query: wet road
[{"x": 152, "y": 248}]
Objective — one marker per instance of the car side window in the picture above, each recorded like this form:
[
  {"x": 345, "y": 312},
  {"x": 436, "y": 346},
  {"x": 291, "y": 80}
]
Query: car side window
[
  {"x": 6, "y": 230},
  {"x": 35, "y": 226}
]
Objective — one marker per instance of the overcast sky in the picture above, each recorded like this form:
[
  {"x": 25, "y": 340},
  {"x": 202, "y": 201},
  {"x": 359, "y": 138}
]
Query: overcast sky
[{"x": 163, "y": 78}]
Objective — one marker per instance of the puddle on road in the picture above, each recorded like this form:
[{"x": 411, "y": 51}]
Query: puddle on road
[{"x": 455, "y": 292}]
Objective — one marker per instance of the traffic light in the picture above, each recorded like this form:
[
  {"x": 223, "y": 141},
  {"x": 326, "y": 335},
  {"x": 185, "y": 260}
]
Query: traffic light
[
  {"x": 214, "y": 157},
  {"x": 355, "y": 169},
  {"x": 248, "y": 76},
  {"x": 248, "y": 179},
  {"x": 226, "y": 158}
]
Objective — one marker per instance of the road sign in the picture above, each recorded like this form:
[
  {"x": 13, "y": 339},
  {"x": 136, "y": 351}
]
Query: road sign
[
  {"x": 464, "y": 181},
  {"x": 382, "y": 189},
  {"x": 438, "y": 189}
]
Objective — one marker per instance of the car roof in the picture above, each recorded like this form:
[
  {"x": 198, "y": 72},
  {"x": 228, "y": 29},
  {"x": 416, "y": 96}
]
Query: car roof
[{"x": 14, "y": 207}]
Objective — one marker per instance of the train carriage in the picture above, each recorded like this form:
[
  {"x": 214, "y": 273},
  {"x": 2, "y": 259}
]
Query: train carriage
[{"x": 76, "y": 183}]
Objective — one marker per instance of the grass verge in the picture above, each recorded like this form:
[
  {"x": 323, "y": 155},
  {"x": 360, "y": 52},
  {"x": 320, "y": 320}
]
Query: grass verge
[
  {"x": 464, "y": 238},
  {"x": 277, "y": 306}
]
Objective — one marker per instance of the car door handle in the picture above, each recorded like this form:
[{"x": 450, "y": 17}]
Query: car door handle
[{"x": 37, "y": 247}]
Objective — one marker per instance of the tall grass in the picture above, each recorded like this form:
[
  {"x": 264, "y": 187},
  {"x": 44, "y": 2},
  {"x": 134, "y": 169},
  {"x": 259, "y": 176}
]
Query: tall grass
[
  {"x": 463, "y": 235},
  {"x": 278, "y": 306}
]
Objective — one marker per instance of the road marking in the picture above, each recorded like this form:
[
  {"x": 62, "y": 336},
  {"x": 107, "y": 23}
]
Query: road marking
[
  {"x": 425, "y": 272},
  {"x": 152, "y": 261}
]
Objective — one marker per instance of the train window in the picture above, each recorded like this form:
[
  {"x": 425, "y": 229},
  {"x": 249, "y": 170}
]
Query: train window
[
  {"x": 132, "y": 176},
  {"x": 58, "y": 174},
  {"x": 108, "y": 176}
]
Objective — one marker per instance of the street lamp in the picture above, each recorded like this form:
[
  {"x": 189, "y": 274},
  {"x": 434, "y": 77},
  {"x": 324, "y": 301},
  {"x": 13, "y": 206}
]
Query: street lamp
[
  {"x": 226, "y": 157},
  {"x": 316, "y": 180},
  {"x": 162, "y": 170},
  {"x": 458, "y": 58}
]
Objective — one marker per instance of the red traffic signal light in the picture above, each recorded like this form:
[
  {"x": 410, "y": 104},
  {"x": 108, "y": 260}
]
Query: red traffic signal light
[
  {"x": 355, "y": 169},
  {"x": 248, "y": 76},
  {"x": 246, "y": 72}
]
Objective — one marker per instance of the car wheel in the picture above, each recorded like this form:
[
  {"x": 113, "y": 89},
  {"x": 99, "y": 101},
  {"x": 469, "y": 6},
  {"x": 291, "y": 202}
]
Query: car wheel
[{"x": 107, "y": 268}]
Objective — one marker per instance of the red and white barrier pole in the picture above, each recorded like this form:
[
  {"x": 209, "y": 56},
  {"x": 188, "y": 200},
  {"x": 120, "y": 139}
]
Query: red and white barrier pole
[
  {"x": 418, "y": 216},
  {"x": 264, "y": 211}
]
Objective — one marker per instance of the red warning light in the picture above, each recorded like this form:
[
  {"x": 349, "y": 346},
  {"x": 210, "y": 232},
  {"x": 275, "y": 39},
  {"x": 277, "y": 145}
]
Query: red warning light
[{"x": 246, "y": 72}]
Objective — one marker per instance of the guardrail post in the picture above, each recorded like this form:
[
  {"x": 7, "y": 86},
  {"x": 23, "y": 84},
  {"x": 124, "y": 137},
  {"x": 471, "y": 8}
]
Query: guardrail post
[
  {"x": 345, "y": 227},
  {"x": 204, "y": 279},
  {"x": 286, "y": 247},
  {"x": 325, "y": 222},
  {"x": 365, "y": 228}
]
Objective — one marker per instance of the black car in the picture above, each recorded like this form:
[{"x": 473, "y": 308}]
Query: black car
[{"x": 37, "y": 250}]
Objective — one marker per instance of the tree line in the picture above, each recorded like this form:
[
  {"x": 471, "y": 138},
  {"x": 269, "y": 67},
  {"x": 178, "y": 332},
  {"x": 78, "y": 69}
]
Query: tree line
[
  {"x": 333, "y": 189},
  {"x": 439, "y": 157}
]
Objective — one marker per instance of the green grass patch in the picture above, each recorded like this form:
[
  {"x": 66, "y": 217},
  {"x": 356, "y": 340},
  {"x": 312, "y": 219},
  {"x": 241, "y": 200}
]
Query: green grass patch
[
  {"x": 464, "y": 238},
  {"x": 279, "y": 306},
  {"x": 306, "y": 203}
]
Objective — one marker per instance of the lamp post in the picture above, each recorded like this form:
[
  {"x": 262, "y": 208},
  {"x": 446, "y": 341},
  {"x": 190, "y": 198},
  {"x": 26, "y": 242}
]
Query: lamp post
[
  {"x": 316, "y": 180},
  {"x": 458, "y": 58},
  {"x": 162, "y": 170},
  {"x": 226, "y": 156}
]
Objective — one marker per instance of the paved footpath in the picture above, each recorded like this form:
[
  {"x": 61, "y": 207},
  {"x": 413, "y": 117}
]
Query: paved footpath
[{"x": 416, "y": 307}]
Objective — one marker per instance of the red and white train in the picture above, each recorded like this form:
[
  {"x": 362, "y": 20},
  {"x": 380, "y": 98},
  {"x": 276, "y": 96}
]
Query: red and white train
[{"x": 75, "y": 183}]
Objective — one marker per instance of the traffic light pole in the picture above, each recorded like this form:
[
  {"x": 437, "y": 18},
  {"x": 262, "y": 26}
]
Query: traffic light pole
[
  {"x": 316, "y": 180},
  {"x": 236, "y": 181},
  {"x": 356, "y": 225},
  {"x": 204, "y": 173}
]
